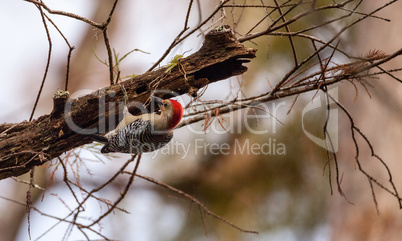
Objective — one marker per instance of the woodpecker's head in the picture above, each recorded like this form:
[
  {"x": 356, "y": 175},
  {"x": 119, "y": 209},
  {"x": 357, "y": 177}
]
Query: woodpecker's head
[{"x": 171, "y": 111}]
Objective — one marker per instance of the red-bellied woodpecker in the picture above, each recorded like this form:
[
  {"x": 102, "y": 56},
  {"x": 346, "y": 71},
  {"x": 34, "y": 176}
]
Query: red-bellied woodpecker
[{"x": 147, "y": 132}]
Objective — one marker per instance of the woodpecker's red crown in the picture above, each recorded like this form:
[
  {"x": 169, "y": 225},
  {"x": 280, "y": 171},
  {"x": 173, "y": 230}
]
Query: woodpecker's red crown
[{"x": 177, "y": 112}]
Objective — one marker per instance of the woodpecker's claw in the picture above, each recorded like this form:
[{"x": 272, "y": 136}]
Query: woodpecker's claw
[{"x": 157, "y": 100}]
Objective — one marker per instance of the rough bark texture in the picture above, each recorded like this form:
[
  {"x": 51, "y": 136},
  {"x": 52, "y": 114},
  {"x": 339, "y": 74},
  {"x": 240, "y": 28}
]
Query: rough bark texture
[{"x": 28, "y": 144}]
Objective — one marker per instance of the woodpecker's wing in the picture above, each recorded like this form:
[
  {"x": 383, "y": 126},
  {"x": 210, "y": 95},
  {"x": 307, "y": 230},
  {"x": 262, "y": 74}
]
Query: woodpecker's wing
[{"x": 137, "y": 137}]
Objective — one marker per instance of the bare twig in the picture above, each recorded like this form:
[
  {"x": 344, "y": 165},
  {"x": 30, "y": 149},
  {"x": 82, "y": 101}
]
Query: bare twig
[
  {"x": 356, "y": 130},
  {"x": 110, "y": 56},
  {"x": 71, "y": 48},
  {"x": 75, "y": 16},
  {"x": 194, "y": 200},
  {"x": 177, "y": 39},
  {"x": 122, "y": 195},
  {"x": 288, "y": 30},
  {"x": 47, "y": 63}
]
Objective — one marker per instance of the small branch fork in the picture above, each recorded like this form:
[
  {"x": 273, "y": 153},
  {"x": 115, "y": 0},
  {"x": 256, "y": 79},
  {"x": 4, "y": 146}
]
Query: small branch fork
[
  {"x": 73, "y": 217},
  {"x": 355, "y": 130}
]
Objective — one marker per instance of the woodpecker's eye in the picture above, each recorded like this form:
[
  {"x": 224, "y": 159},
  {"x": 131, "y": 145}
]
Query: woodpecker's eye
[{"x": 164, "y": 104}]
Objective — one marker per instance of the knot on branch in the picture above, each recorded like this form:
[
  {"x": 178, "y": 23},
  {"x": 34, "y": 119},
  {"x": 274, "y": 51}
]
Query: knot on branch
[
  {"x": 221, "y": 35},
  {"x": 59, "y": 102}
]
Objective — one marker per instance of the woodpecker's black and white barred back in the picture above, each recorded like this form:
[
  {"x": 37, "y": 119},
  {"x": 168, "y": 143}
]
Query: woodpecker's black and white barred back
[
  {"x": 136, "y": 137},
  {"x": 147, "y": 132}
]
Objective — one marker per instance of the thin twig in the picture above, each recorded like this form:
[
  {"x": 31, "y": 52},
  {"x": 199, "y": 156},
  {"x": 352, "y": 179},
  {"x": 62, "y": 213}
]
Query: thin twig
[
  {"x": 176, "y": 40},
  {"x": 70, "y": 50},
  {"x": 272, "y": 28},
  {"x": 122, "y": 195},
  {"x": 71, "y": 15},
  {"x": 49, "y": 54},
  {"x": 194, "y": 200},
  {"x": 292, "y": 44},
  {"x": 355, "y": 129},
  {"x": 110, "y": 56}
]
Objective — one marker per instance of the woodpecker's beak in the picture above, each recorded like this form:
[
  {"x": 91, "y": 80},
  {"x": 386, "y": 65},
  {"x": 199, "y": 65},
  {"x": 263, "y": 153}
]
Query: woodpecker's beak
[{"x": 157, "y": 100}]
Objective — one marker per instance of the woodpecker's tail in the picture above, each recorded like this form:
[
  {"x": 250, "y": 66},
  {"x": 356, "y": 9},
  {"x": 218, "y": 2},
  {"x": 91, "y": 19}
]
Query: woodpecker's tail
[
  {"x": 97, "y": 138},
  {"x": 106, "y": 149}
]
